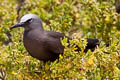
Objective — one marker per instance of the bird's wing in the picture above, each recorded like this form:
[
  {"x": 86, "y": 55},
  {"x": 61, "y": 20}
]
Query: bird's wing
[{"x": 53, "y": 42}]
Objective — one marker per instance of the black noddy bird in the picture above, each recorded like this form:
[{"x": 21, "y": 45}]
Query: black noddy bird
[{"x": 41, "y": 44}]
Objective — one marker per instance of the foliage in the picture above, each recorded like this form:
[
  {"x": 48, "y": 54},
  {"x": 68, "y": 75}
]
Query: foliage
[{"x": 85, "y": 18}]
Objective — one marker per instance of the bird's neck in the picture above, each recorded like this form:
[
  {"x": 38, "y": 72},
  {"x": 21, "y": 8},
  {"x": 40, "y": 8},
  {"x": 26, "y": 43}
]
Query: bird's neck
[
  {"x": 40, "y": 29},
  {"x": 27, "y": 29}
]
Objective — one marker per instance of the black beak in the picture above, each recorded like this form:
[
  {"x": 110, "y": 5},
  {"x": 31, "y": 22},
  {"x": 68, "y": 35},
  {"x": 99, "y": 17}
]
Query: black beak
[{"x": 17, "y": 25}]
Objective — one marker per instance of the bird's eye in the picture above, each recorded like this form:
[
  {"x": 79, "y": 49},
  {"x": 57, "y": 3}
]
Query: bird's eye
[{"x": 29, "y": 20}]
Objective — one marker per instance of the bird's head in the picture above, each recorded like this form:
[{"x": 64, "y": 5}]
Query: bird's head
[{"x": 29, "y": 21}]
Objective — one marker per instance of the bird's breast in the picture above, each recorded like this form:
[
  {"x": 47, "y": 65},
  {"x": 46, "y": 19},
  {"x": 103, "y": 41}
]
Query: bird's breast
[{"x": 34, "y": 45}]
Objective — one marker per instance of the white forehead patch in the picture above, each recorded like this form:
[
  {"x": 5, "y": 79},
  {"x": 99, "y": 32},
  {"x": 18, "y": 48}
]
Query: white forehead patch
[{"x": 28, "y": 16}]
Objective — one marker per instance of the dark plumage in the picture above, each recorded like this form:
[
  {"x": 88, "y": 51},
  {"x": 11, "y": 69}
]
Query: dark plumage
[{"x": 41, "y": 44}]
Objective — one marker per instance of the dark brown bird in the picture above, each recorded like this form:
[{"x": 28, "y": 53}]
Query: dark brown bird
[{"x": 41, "y": 44}]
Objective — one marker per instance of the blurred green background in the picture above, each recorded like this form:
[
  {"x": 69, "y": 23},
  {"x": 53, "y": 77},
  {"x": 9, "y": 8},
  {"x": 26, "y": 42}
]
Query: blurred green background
[{"x": 75, "y": 18}]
